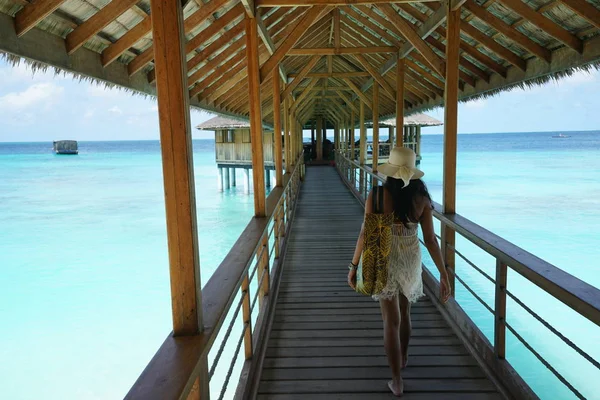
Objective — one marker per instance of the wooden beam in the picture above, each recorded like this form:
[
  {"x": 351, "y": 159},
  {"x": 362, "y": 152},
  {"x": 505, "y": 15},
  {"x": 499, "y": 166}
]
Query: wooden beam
[
  {"x": 308, "y": 3},
  {"x": 134, "y": 35},
  {"x": 303, "y": 72},
  {"x": 414, "y": 37},
  {"x": 215, "y": 65},
  {"x": 190, "y": 23},
  {"x": 300, "y": 28},
  {"x": 278, "y": 156},
  {"x": 263, "y": 32},
  {"x": 249, "y": 7},
  {"x": 584, "y": 10},
  {"x": 231, "y": 17},
  {"x": 336, "y": 28},
  {"x": 178, "y": 170},
  {"x": 303, "y": 95},
  {"x": 494, "y": 46},
  {"x": 359, "y": 93},
  {"x": 256, "y": 130},
  {"x": 375, "y": 127},
  {"x": 450, "y": 135},
  {"x": 336, "y": 75},
  {"x": 507, "y": 30},
  {"x": 429, "y": 26},
  {"x": 31, "y": 14},
  {"x": 545, "y": 24},
  {"x": 371, "y": 23},
  {"x": 386, "y": 86},
  {"x": 347, "y": 100},
  {"x": 400, "y": 73},
  {"x": 341, "y": 50},
  {"x": 96, "y": 23}
]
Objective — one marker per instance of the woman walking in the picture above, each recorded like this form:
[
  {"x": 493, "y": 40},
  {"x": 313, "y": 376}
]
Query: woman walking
[{"x": 406, "y": 196}]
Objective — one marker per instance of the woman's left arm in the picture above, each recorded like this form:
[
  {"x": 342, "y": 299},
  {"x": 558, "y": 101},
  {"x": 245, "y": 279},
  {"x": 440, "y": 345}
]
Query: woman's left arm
[{"x": 359, "y": 244}]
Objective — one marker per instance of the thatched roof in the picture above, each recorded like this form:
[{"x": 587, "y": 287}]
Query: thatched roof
[
  {"x": 225, "y": 123},
  {"x": 504, "y": 44},
  {"x": 409, "y": 120}
]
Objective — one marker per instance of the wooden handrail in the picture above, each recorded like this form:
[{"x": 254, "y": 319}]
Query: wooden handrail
[
  {"x": 175, "y": 366},
  {"x": 572, "y": 291}
]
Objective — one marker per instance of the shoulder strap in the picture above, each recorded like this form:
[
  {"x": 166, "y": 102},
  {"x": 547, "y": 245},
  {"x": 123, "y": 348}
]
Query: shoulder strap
[{"x": 377, "y": 200}]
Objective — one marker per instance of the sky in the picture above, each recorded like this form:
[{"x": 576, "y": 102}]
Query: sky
[{"x": 45, "y": 107}]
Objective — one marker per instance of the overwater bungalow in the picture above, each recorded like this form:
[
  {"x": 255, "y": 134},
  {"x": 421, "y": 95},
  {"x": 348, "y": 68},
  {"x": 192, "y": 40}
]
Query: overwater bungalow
[
  {"x": 233, "y": 150},
  {"x": 275, "y": 321},
  {"x": 411, "y": 134}
]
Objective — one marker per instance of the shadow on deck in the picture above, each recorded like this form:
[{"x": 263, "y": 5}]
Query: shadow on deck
[{"x": 326, "y": 341}]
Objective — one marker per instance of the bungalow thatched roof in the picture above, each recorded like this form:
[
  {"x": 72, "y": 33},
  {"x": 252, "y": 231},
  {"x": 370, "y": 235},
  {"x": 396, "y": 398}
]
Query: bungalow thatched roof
[
  {"x": 410, "y": 120},
  {"x": 504, "y": 44},
  {"x": 219, "y": 122}
]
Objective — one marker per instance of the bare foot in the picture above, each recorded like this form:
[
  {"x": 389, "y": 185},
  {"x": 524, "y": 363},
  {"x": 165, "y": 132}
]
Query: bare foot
[
  {"x": 404, "y": 360},
  {"x": 397, "y": 389}
]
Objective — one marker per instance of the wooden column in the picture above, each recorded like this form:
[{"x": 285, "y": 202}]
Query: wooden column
[
  {"x": 320, "y": 139},
  {"x": 256, "y": 134},
  {"x": 352, "y": 124},
  {"x": 375, "y": 125},
  {"x": 293, "y": 146},
  {"x": 278, "y": 156},
  {"x": 391, "y": 135},
  {"x": 178, "y": 166},
  {"x": 336, "y": 138},
  {"x": 400, "y": 69},
  {"x": 418, "y": 139},
  {"x": 450, "y": 135},
  {"x": 286, "y": 136},
  {"x": 363, "y": 135}
]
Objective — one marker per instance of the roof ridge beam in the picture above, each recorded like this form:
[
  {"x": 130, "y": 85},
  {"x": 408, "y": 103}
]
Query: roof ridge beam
[{"x": 313, "y": 15}]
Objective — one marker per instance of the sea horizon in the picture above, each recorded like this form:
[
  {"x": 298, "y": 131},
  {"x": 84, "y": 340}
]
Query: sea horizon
[{"x": 383, "y": 133}]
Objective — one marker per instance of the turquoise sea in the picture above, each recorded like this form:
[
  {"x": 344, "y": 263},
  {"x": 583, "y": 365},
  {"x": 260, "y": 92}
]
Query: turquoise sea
[{"x": 84, "y": 286}]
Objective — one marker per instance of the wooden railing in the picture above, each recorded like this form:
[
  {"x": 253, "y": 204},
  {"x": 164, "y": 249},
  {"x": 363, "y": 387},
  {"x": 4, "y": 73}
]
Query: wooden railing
[
  {"x": 579, "y": 296},
  {"x": 235, "y": 299}
]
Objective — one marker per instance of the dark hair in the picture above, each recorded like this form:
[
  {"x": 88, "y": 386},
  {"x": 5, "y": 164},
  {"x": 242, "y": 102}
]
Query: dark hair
[{"x": 405, "y": 199}]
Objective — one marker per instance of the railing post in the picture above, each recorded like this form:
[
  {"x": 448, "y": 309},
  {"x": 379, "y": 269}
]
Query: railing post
[
  {"x": 500, "y": 311},
  {"x": 247, "y": 317},
  {"x": 263, "y": 270},
  {"x": 276, "y": 231}
]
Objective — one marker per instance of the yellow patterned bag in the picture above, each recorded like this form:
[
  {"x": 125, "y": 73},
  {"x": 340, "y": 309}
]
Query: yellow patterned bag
[{"x": 372, "y": 272}]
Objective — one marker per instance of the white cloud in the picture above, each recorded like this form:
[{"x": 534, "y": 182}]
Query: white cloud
[
  {"x": 115, "y": 110},
  {"x": 479, "y": 103},
  {"x": 99, "y": 90},
  {"x": 89, "y": 113},
  {"x": 38, "y": 95},
  {"x": 23, "y": 74}
]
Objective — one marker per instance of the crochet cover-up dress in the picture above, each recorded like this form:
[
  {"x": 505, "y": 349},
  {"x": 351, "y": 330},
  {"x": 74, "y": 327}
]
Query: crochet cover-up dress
[{"x": 404, "y": 268}]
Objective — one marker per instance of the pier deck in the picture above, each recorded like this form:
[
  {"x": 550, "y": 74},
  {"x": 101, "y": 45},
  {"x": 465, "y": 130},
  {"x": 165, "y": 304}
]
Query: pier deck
[{"x": 326, "y": 341}]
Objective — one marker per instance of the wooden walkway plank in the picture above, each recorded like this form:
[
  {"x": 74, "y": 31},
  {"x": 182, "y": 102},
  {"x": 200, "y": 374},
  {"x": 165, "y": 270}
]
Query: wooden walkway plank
[{"x": 326, "y": 341}]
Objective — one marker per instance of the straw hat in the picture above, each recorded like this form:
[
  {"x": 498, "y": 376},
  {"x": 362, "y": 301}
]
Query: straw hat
[{"x": 401, "y": 165}]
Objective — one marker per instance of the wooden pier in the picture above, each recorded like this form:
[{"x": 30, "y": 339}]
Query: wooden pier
[{"x": 326, "y": 341}]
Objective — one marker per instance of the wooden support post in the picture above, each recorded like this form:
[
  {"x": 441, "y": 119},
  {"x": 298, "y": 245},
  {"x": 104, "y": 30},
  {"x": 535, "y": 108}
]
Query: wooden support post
[
  {"x": 450, "y": 136},
  {"x": 500, "y": 311},
  {"x": 286, "y": 134},
  {"x": 247, "y": 180},
  {"x": 375, "y": 126},
  {"x": 292, "y": 134},
  {"x": 178, "y": 174},
  {"x": 178, "y": 166},
  {"x": 247, "y": 317},
  {"x": 336, "y": 138},
  {"x": 220, "y": 180},
  {"x": 391, "y": 135},
  {"x": 278, "y": 156},
  {"x": 232, "y": 177},
  {"x": 268, "y": 177},
  {"x": 352, "y": 139},
  {"x": 320, "y": 139},
  {"x": 363, "y": 135},
  {"x": 418, "y": 139},
  {"x": 400, "y": 71},
  {"x": 226, "y": 175},
  {"x": 263, "y": 270},
  {"x": 256, "y": 134}
]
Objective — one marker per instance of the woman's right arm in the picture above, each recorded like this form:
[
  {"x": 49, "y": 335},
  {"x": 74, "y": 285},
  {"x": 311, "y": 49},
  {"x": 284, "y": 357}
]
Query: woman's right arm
[{"x": 434, "y": 250}]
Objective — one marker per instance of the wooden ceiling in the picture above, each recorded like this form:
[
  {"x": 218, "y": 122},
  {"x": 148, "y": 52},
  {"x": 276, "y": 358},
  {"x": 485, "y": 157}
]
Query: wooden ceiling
[{"x": 329, "y": 52}]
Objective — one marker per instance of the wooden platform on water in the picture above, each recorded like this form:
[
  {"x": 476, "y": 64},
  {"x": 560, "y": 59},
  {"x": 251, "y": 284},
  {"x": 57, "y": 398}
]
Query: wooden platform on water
[{"x": 326, "y": 342}]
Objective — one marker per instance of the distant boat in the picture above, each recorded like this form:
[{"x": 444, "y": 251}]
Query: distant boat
[
  {"x": 560, "y": 135},
  {"x": 65, "y": 147}
]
